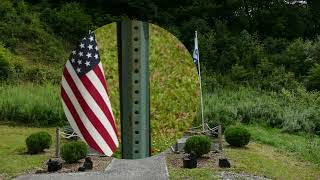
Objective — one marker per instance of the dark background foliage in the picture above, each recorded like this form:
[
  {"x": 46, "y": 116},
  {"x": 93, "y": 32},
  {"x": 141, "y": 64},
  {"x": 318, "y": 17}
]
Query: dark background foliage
[
  {"x": 269, "y": 45},
  {"x": 246, "y": 40}
]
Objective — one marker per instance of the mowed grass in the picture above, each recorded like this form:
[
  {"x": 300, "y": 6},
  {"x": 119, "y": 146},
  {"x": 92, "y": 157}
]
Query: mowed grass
[
  {"x": 13, "y": 157},
  {"x": 197, "y": 173},
  {"x": 263, "y": 158},
  {"x": 304, "y": 146}
]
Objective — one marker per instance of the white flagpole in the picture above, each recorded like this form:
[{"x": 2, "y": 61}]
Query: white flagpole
[{"x": 199, "y": 73}]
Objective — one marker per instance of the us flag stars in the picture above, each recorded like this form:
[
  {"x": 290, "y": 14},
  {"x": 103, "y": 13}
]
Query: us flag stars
[{"x": 86, "y": 56}]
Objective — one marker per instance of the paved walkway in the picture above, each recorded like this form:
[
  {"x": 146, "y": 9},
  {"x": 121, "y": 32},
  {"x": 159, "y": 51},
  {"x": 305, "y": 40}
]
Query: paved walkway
[{"x": 148, "y": 168}]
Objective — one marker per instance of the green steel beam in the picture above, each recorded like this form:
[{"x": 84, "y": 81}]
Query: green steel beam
[{"x": 133, "y": 54}]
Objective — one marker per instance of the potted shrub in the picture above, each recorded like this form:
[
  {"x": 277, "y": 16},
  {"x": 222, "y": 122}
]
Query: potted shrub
[
  {"x": 71, "y": 152},
  {"x": 195, "y": 146}
]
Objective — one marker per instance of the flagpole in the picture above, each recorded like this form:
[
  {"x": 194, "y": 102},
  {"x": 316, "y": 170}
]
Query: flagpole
[{"x": 201, "y": 99}]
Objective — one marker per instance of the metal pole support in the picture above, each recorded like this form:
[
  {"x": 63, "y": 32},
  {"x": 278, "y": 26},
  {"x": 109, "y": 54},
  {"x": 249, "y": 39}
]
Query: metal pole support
[
  {"x": 220, "y": 137},
  {"x": 133, "y": 54},
  {"x": 57, "y": 142}
]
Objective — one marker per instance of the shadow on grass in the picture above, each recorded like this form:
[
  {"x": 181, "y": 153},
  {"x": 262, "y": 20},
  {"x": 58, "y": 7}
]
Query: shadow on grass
[{"x": 235, "y": 147}]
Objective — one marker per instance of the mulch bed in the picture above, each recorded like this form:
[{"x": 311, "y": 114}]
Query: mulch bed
[
  {"x": 99, "y": 165},
  {"x": 209, "y": 160}
]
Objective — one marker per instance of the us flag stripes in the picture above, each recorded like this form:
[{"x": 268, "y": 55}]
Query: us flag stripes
[{"x": 85, "y": 99}]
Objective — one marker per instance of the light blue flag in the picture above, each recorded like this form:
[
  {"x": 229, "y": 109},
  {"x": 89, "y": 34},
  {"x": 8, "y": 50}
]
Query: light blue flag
[{"x": 195, "y": 51}]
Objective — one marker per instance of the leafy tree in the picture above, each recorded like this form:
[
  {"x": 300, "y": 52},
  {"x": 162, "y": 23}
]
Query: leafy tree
[{"x": 313, "y": 78}]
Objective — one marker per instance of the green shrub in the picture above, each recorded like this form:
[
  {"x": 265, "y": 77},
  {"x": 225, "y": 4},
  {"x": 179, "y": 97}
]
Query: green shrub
[
  {"x": 200, "y": 145},
  {"x": 237, "y": 136},
  {"x": 73, "y": 151},
  {"x": 5, "y": 68},
  {"x": 313, "y": 78},
  {"x": 37, "y": 142},
  {"x": 239, "y": 73}
]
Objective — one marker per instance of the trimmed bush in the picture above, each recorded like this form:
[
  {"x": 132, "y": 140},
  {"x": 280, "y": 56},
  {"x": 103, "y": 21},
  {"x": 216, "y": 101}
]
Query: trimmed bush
[
  {"x": 73, "y": 151},
  {"x": 237, "y": 136},
  {"x": 37, "y": 142},
  {"x": 200, "y": 145}
]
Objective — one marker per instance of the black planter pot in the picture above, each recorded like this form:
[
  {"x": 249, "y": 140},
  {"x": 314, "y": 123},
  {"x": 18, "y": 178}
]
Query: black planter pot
[
  {"x": 54, "y": 165},
  {"x": 189, "y": 163},
  {"x": 88, "y": 163}
]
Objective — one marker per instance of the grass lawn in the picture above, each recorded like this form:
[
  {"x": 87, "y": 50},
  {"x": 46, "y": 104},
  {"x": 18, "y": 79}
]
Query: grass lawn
[
  {"x": 264, "y": 160},
  {"x": 304, "y": 146},
  {"x": 197, "y": 173},
  {"x": 13, "y": 157},
  {"x": 285, "y": 158}
]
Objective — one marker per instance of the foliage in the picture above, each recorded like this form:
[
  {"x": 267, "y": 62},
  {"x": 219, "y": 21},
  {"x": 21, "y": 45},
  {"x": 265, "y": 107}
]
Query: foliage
[
  {"x": 4, "y": 64},
  {"x": 37, "y": 142},
  {"x": 200, "y": 145},
  {"x": 71, "y": 152},
  {"x": 22, "y": 31},
  {"x": 237, "y": 136},
  {"x": 70, "y": 21},
  {"x": 313, "y": 78}
]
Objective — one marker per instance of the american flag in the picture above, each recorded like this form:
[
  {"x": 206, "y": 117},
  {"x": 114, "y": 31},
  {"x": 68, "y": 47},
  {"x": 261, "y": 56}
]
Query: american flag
[{"x": 85, "y": 99}]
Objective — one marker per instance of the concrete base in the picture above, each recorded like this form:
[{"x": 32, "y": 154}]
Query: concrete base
[{"x": 119, "y": 169}]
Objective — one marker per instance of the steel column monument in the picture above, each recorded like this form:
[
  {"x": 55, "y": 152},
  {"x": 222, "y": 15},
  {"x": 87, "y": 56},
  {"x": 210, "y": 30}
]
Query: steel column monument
[{"x": 133, "y": 54}]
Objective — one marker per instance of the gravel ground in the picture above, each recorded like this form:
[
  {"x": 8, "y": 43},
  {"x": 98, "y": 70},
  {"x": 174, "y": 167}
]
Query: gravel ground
[
  {"x": 208, "y": 160},
  {"x": 211, "y": 160},
  {"x": 99, "y": 165}
]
